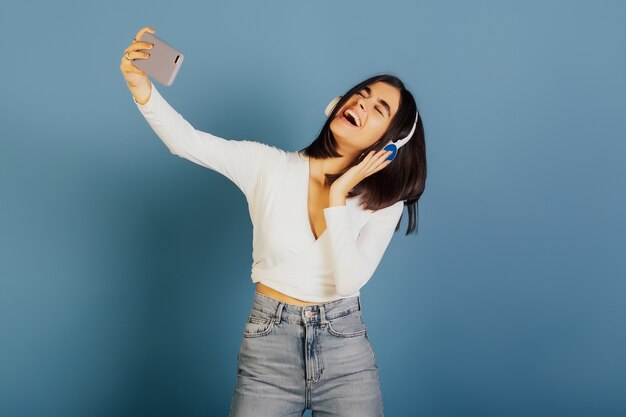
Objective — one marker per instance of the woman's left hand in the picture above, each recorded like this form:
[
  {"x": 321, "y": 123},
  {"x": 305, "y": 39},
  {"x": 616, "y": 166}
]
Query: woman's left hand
[{"x": 372, "y": 163}]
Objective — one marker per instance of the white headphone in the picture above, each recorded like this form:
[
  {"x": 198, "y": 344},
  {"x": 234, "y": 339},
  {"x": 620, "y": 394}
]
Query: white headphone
[{"x": 391, "y": 145}]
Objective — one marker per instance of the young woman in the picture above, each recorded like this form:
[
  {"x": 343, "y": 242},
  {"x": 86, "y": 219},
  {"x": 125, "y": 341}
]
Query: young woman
[{"x": 323, "y": 218}]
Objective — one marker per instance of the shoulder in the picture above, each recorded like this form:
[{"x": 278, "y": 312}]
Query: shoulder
[
  {"x": 396, "y": 209},
  {"x": 393, "y": 210},
  {"x": 390, "y": 214},
  {"x": 387, "y": 215},
  {"x": 262, "y": 153},
  {"x": 263, "y": 149}
]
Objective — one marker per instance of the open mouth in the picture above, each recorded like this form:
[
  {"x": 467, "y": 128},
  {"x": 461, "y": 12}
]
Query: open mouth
[{"x": 349, "y": 117}]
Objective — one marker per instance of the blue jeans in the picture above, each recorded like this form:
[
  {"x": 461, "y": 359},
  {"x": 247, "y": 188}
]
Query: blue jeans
[{"x": 316, "y": 357}]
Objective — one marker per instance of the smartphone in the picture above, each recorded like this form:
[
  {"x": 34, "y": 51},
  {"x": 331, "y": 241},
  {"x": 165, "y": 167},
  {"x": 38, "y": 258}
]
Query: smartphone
[{"x": 164, "y": 61}]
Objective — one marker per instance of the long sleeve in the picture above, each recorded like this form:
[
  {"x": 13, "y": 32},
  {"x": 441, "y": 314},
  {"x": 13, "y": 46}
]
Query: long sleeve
[
  {"x": 354, "y": 262},
  {"x": 238, "y": 160}
]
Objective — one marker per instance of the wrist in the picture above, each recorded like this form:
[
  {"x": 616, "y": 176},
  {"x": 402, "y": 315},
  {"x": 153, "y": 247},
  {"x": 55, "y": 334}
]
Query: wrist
[{"x": 336, "y": 197}]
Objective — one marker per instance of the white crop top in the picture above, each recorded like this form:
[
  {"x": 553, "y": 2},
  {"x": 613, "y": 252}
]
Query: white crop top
[{"x": 286, "y": 256}]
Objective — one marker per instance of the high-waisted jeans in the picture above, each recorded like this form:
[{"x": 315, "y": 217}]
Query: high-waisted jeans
[{"x": 316, "y": 357}]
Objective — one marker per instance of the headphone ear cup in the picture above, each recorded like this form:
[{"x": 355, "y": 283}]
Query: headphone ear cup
[
  {"x": 393, "y": 148},
  {"x": 331, "y": 105}
]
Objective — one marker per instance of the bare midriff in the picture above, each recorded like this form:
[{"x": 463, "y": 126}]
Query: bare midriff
[{"x": 277, "y": 295}]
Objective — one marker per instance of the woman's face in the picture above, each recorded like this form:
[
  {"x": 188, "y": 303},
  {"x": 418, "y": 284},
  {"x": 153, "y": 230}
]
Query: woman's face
[{"x": 371, "y": 109}]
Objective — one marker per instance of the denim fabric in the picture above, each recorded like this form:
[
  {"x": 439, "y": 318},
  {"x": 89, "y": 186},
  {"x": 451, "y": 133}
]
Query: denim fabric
[{"x": 317, "y": 357}]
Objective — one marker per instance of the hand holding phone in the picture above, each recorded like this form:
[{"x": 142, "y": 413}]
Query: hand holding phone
[
  {"x": 163, "y": 61},
  {"x": 137, "y": 80}
]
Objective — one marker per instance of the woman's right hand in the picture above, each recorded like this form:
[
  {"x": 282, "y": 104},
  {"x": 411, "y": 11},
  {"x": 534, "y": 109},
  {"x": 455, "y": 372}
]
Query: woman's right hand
[{"x": 137, "y": 80}]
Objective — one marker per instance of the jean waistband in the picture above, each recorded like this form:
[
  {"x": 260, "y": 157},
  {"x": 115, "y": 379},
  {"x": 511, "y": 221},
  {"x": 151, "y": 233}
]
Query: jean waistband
[{"x": 292, "y": 313}]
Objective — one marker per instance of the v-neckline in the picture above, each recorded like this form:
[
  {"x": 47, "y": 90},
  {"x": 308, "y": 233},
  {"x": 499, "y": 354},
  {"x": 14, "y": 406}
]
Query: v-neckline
[{"x": 306, "y": 201}]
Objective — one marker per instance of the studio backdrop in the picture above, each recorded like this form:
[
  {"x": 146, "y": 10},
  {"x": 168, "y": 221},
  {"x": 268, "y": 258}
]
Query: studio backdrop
[{"x": 125, "y": 270}]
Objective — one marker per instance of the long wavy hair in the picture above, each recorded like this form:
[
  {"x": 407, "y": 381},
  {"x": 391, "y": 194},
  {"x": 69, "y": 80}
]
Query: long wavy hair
[{"x": 405, "y": 177}]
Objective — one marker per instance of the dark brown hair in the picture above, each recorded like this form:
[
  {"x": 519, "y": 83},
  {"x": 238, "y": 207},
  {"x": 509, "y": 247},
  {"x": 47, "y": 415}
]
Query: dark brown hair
[{"x": 405, "y": 177}]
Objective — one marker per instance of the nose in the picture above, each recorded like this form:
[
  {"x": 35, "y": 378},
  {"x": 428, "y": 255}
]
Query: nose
[{"x": 361, "y": 104}]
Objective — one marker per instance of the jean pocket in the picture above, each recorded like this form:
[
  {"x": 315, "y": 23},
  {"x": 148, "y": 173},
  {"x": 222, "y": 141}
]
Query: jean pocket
[
  {"x": 350, "y": 325},
  {"x": 258, "y": 326}
]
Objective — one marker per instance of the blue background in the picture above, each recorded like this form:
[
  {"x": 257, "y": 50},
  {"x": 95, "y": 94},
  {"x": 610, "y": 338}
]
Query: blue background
[{"x": 125, "y": 270}]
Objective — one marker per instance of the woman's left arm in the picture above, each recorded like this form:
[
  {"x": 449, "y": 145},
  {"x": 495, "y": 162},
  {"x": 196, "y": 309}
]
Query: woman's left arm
[{"x": 354, "y": 261}]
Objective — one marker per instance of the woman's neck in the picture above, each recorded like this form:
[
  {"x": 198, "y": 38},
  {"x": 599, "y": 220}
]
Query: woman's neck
[{"x": 320, "y": 167}]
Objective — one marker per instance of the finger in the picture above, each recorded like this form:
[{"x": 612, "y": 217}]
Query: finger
[
  {"x": 134, "y": 69},
  {"x": 366, "y": 161},
  {"x": 368, "y": 156},
  {"x": 379, "y": 167},
  {"x": 384, "y": 154},
  {"x": 377, "y": 158},
  {"x": 142, "y": 31},
  {"x": 136, "y": 55},
  {"x": 140, "y": 45},
  {"x": 378, "y": 162},
  {"x": 137, "y": 46},
  {"x": 383, "y": 165},
  {"x": 387, "y": 155}
]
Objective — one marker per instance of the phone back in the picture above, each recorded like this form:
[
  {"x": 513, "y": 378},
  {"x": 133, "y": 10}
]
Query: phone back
[{"x": 164, "y": 60}]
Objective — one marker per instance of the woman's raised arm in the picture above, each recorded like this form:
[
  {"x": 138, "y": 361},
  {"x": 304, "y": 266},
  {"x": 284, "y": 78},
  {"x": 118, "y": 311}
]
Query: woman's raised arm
[{"x": 241, "y": 161}]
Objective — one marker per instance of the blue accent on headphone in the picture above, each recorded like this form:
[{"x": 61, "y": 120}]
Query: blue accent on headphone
[{"x": 394, "y": 150}]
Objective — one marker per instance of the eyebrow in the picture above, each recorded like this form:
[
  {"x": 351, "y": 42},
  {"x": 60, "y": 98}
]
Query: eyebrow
[{"x": 381, "y": 101}]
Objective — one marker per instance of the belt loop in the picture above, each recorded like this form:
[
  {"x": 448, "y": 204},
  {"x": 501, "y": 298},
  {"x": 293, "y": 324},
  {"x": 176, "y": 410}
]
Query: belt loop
[
  {"x": 358, "y": 299},
  {"x": 278, "y": 314},
  {"x": 322, "y": 315}
]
